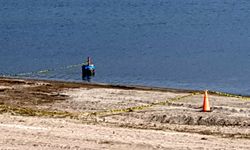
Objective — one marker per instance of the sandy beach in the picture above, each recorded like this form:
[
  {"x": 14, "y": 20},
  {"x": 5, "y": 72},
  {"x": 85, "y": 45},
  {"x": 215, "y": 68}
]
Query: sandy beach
[{"x": 38, "y": 114}]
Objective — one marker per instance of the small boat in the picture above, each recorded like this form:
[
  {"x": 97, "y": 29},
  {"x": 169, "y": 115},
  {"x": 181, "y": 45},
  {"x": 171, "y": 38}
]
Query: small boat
[{"x": 88, "y": 69}]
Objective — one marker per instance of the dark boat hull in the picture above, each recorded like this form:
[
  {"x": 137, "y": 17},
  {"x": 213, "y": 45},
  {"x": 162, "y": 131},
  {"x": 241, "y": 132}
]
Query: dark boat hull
[{"x": 87, "y": 71}]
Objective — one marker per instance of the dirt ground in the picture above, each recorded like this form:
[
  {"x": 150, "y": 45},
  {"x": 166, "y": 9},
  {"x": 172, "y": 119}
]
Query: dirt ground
[{"x": 36, "y": 114}]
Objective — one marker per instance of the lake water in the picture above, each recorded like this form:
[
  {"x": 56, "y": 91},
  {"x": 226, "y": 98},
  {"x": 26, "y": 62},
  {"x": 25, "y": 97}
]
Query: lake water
[{"x": 190, "y": 44}]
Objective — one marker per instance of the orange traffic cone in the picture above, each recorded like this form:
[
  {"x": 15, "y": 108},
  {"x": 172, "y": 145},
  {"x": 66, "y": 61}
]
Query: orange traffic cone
[{"x": 206, "y": 107}]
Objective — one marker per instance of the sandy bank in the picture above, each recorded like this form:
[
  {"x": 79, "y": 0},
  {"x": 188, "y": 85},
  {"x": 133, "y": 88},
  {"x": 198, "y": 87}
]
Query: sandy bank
[{"x": 62, "y": 115}]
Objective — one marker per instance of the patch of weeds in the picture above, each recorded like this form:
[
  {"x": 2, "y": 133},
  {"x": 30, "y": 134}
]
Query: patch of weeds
[{"x": 24, "y": 111}]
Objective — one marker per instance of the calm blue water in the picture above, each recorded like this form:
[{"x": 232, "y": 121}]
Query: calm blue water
[{"x": 194, "y": 44}]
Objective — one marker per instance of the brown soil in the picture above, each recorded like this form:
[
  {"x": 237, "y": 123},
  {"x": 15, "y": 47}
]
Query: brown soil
[{"x": 64, "y": 115}]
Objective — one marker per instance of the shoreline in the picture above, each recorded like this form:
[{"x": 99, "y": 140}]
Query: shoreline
[
  {"x": 104, "y": 116},
  {"x": 135, "y": 87},
  {"x": 108, "y": 85}
]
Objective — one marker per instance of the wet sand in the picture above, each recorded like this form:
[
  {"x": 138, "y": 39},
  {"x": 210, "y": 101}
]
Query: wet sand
[{"x": 37, "y": 114}]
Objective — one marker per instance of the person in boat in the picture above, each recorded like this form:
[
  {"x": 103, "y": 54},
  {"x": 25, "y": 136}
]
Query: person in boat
[{"x": 90, "y": 65}]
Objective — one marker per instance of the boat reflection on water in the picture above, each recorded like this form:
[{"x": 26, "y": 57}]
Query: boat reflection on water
[
  {"x": 88, "y": 70},
  {"x": 87, "y": 78}
]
